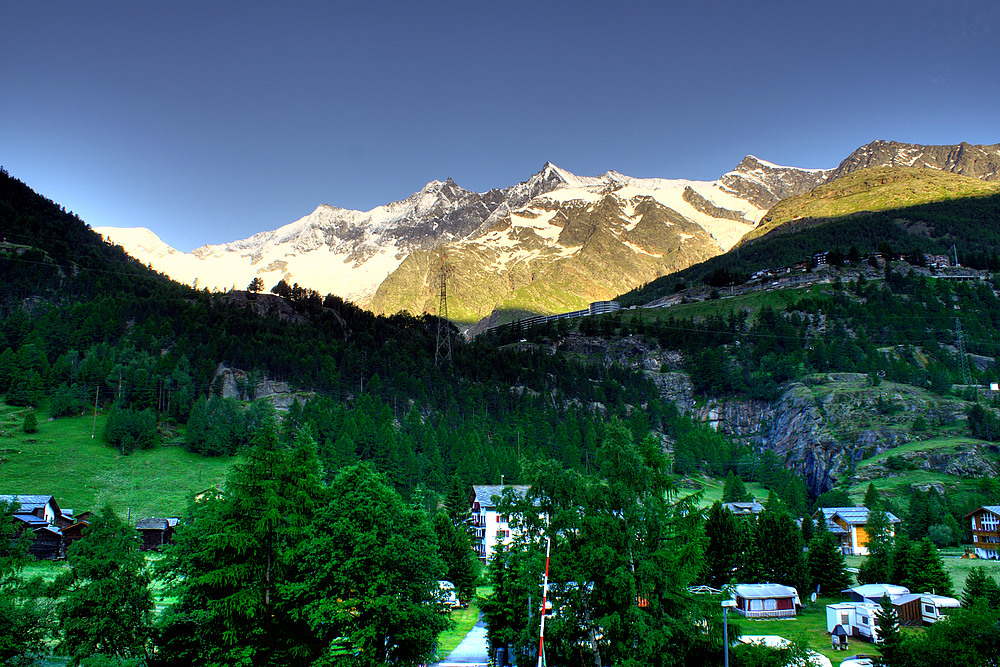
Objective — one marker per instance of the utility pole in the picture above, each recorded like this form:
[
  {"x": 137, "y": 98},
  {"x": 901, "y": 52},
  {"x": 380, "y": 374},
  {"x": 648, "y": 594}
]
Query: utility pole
[
  {"x": 97, "y": 396},
  {"x": 966, "y": 371}
]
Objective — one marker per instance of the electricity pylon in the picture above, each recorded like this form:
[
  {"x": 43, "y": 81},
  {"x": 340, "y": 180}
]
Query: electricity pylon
[{"x": 442, "y": 351}]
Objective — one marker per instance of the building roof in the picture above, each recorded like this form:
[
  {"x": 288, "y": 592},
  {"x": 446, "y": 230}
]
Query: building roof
[
  {"x": 27, "y": 502},
  {"x": 483, "y": 493},
  {"x": 31, "y": 520},
  {"x": 151, "y": 524},
  {"x": 853, "y": 516},
  {"x": 904, "y": 599},
  {"x": 752, "y": 507},
  {"x": 760, "y": 591},
  {"x": 990, "y": 508}
]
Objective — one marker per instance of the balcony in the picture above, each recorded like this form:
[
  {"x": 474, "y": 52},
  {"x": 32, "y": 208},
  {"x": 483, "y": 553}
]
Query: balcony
[{"x": 985, "y": 533}]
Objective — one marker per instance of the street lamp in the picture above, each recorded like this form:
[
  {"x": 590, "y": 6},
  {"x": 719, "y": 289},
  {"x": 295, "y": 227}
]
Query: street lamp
[{"x": 726, "y": 606}]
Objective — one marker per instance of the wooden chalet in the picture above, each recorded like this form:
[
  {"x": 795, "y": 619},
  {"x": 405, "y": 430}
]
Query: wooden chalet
[
  {"x": 155, "y": 532},
  {"x": 986, "y": 531},
  {"x": 47, "y": 543},
  {"x": 74, "y": 532},
  {"x": 41, "y": 515}
]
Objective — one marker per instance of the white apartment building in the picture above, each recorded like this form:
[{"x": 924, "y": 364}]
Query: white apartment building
[{"x": 489, "y": 527}]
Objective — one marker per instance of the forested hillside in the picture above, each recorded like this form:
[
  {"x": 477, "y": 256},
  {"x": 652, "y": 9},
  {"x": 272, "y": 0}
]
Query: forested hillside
[{"x": 83, "y": 321}]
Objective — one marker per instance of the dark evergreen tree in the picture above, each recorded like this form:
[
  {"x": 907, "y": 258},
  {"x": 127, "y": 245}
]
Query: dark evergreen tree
[
  {"x": 230, "y": 566},
  {"x": 892, "y": 648},
  {"x": 726, "y": 548},
  {"x": 825, "y": 561},
  {"x": 808, "y": 529},
  {"x": 107, "y": 605},
  {"x": 871, "y": 500},
  {"x": 366, "y": 576},
  {"x": 926, "y": 572},
  {"x": 981, "y": 588},
  {"x": 24, "y": 618},
  {"x": 733, "y": 490},
  {"x": 777, "y": 548},
  {"x": 462, "y": 566}
]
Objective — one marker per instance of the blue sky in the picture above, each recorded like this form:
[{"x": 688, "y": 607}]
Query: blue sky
[{"x": 208, "y": 122}]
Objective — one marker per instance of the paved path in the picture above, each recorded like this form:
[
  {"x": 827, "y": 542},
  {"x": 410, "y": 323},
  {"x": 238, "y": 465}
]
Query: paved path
[{"x": 473, "y": 651}]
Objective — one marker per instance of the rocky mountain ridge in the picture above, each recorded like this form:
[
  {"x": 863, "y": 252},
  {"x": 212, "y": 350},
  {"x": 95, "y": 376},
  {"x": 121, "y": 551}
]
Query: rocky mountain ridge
[
  {"x": 548, "y": 244},
  {"x": 350, "y": 253}
]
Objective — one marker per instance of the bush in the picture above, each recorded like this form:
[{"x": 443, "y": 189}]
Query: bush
[
  {"x": 919, "y": 425},
  {"x": 30, "y": 422}
]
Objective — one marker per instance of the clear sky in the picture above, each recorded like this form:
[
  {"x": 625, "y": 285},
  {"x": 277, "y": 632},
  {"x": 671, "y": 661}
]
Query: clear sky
[{"x": 208, "y": 122}]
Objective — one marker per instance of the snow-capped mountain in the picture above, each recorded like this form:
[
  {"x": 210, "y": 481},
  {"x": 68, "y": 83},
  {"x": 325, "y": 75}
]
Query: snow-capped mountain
[
  {"x": 350, "y": 253},
  {"x": 335, "y": 250},
  {"x": 553, "y": 242}
]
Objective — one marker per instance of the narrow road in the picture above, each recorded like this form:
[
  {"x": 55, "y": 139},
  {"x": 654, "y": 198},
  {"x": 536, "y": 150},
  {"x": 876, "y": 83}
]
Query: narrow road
[{"x": 473, "y": 651}]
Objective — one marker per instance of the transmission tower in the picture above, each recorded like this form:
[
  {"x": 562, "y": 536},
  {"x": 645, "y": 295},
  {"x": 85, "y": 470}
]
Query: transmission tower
[
  {"x": 442, "y": 351},
  {"x": 966, "y": 375}
]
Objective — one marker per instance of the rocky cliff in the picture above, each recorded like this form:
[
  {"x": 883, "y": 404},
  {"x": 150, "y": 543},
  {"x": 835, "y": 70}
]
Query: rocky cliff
[{"x": 821, "y": 426}]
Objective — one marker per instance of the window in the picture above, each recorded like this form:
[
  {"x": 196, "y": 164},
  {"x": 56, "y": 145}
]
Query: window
[
  {"x": 864, "y": 620},
  {"x": 755, "y": 605},
  {"x": 845, "y": 618},
  {"x": 770, "y": 605},
  {"x": 928, "y": 609}
]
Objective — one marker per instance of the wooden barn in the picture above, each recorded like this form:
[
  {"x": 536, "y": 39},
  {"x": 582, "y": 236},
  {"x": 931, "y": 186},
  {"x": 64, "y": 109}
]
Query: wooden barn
[
  {"x": 48, "y": 541},
  {"x": 74, "y": 532},
  {"x": 155, "y": 532}
]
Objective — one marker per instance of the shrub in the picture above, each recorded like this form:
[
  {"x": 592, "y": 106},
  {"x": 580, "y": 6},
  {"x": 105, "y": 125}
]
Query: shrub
[{"x": 30, "y": 422}]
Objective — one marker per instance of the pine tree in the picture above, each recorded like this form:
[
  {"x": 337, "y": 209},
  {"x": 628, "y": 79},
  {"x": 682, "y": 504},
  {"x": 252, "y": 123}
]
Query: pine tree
[
  {"x": 107, "y": 604},
  {"x": 891, "y": 639},
  {"x": 462, "y": 566},
  {"x": 980, "y": 587},
  {"x": 726, "y": 547},
  {"x": 365, "y": 578},
  {"x": 808, "y": 529},
  {"x": 734, "y": 490},
  {"x": 825, "y": 560},
  {"x": 778, "y": 548},
  {"x": 23, "y": 616},
  {"x": 457, "y": 501},
  {"x": 926, "y": 570},
  {"x": 878, "y": 566},
  {"x": 871, "y": 500},
  {"x": 232, "y": 561}
]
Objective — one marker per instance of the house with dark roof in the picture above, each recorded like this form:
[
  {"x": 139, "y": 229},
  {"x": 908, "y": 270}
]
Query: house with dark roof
[
  {"x": 741, "y": 508},
  {"x": 47, "y": 543},
  {"x": 155, "y": 532},
  {"x": 41, "y": 515},
  {"x": 489, "y": 526},
  {"x": 850, "y": 525}
]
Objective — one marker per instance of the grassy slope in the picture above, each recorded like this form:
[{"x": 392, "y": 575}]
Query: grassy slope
[
  {"x": 876, "y": 189},
  {"x": 84, "y": 474}
]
